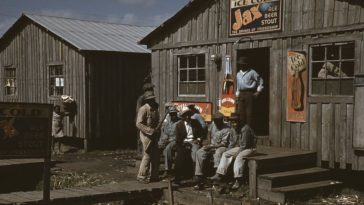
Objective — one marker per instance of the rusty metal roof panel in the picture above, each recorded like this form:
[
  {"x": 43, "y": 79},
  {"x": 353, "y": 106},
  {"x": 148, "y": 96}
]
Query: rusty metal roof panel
[{"x": 95, "y": 36}]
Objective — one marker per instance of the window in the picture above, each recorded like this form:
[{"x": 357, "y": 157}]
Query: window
[
  {"x": 10, "y": 81},
  {"x": 191, "y": 75},
  {"x": 332, "y": 68},
  {"x": 56, "y": 80}
]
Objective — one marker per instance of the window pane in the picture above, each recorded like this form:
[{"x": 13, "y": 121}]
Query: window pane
[
  {"x": 201, "y": 61},
  {"x": 316, "y": 68},
  {"x": 201, "y": 88},
  {"x": 318, "y": 86},
  {"x": 347, "y": 87},
  {"x": 318, "y": 53},
  {"x": 201, "y": 75},
  {"x": 183, "y": 75},
  {"x": 192, "y": 62},
  {"x": 347, "y": 68},
  {"x": 332, "y": 86},
  {"x": 192, "y": 75},
  {"x": 183, "y": 88},
  {"x": 347, "y": 51},
  {"x": 333, "y": 52},
  {"x": 183, "y": 62}
]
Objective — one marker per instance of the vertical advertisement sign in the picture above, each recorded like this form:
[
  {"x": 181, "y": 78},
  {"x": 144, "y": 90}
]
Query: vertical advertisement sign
[
  {"x": 25, "y": 130},
  {"x": 255, "y": 16},
  {"x": 296, "y": 86}
]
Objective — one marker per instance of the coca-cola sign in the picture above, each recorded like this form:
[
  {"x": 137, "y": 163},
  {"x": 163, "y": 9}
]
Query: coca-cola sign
[{"x": 254, "y": 16}]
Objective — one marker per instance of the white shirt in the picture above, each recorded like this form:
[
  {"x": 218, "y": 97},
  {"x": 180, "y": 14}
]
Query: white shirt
[{"x": 189, "y": 132}]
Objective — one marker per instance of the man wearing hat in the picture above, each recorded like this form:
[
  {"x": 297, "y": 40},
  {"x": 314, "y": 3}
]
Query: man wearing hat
[
  {"x": 148, "y": 124},
  {"x": 167, "y": 141},
  {"x": 219, "y": 144},
  {"x": 249, "y": 85},
  {"x": 244, "y": 146},
  {"x": 140, "y": 102},
  {"x": 188, "y": 132}
]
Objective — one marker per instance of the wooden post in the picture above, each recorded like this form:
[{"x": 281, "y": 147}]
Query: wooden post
[
  {"x": 170, "y": 191},
  {"x": 253, "y": 179},
  {"x": 47, "y": 174}
]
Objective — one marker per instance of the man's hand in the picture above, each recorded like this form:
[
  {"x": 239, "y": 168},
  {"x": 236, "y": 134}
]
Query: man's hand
[
  {"x": 256, "y": 94},
  {"x": 206, "y": 147}
]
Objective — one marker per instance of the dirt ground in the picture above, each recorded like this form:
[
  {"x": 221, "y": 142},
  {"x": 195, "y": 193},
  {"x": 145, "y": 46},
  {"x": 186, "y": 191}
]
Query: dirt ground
[{"x": 104, "y": 167}]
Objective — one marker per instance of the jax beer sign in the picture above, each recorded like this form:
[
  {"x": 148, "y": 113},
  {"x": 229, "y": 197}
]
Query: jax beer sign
[
  {"x": 254, "y": 16},
  {"x": 25, "y": 129}
]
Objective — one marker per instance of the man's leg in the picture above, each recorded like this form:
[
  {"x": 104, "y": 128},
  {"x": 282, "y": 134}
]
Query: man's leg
[
  {"x": 168, "y": 155},
  {"x": 239, "y": 166},
  {"x": 217, "y": 155},
  {"x": 201, "y": 156},
  {"x": 195, "y": 147},
  {"x": 155, "y": 160},
  {"x": 145, "y": 163},
  {"x": 226, "y": 159}
]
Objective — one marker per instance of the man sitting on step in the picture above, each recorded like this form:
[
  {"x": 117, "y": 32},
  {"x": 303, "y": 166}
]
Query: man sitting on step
[
  {"x": 220, "y": 142},
  {"x": 245, "y": 146}
]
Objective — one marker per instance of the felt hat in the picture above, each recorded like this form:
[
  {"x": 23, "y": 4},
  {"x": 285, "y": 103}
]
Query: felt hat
[
  {"x": 217, "y": 116},
  {"x": 185, "y": 111},
  {"x": 172, "y": 109},
  {"x": 234, "y": 117},
  {"x": 242, "y": 60},
  {"x": 149, "y": 95}
]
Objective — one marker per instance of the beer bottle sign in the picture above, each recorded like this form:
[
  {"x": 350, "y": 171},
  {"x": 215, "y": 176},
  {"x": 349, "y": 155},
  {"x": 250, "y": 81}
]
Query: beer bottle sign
[{"x": 227, "y": 90}]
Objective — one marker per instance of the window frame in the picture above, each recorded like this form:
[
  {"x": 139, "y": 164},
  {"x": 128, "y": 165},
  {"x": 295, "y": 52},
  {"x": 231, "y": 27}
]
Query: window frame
[
  {"x": 197, "y": 68},
  {"x": 51, "y": 76},
  {"x": 14, "y": 78},
  {"x": 340, "y": 60}
]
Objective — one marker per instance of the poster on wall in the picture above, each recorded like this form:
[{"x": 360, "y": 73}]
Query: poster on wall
[
  {"x": 205, "y": 108},
  {"x": 251, "y": 16},
  {"x": 296, "y": 86},
  {"x": 25, "y": 129}
]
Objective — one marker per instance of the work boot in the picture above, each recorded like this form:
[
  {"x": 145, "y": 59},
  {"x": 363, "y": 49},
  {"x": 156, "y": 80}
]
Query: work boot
[
  {"x": 166, "y": 174},
  {"x": 216, "y": 177},
  {"x": 236, "y": 185}
]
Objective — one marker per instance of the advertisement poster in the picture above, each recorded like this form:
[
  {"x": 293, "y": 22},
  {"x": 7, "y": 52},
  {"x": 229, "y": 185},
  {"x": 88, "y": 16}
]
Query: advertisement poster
[
  {"x": 248, "y": 16},
  {"x": 205, "y": 108},
  {"x": 296, "y": 86},
  {"x": 25, "y": 129}
]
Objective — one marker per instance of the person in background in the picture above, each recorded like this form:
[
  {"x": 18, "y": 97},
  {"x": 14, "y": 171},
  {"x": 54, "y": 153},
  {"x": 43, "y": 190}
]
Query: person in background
[
  {"x": 167, "y": 141},
  {"x": 244, "y": 146},
  {"x": 197, "y": 116},
  {"x": 188, "y": 134},
  {"x": 57, "y": 128},
  {"x": 148, "y": 124},
  {"x": 249, "y": 86},
  {"x": 218, "y": 145}
]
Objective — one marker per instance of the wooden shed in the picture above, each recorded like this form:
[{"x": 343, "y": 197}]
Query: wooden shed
[
  {"x": 280, "y": 37},
  {"x": 99, "y": 64}
]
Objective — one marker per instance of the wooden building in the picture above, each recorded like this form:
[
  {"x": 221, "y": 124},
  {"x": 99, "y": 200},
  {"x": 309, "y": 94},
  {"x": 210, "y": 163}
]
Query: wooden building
[
  {"x": 99, "y": 64},
  {"x": 278, "y": 36}
]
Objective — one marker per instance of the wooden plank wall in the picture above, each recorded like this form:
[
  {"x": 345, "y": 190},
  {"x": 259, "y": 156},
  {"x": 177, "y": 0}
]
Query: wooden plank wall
[
  {"x": 30, "y": 51},
  {"x": 329, "y": 126},
  {"x": 116, "y": 81}
]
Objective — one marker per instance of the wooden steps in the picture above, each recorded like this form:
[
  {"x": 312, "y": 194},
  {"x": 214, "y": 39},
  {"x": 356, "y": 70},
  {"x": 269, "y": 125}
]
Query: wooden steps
[
  {"x": 285, "y": 176},
  {"x": 301, "y": 191}
]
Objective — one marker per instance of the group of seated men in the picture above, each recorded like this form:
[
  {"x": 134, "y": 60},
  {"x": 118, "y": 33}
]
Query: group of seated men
[{"x": 184, "y": 138}]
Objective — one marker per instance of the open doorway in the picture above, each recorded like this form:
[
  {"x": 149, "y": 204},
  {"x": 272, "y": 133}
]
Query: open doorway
[{"x": 259, "y": 61}]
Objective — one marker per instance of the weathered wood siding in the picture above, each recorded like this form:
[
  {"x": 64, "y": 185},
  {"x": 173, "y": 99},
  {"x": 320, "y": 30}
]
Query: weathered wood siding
[
  {"x": 329, "y": 126},
  {"x": 114, "y": 83},
  {"x": 30, "y": 50}
]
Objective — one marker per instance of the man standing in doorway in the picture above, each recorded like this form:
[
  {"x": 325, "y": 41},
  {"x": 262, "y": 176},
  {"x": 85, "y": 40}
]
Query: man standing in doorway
[{"x": 249, "y": 86}]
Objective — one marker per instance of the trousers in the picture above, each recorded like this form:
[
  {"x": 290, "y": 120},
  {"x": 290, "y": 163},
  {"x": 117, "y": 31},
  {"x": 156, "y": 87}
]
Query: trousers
[
  {"x": 150, "y": 158},
  {"x": 202, "y": 155}
]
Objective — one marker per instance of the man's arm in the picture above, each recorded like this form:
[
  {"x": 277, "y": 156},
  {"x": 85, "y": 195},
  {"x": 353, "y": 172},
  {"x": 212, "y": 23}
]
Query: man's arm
[{"x": 142, "y": 113}]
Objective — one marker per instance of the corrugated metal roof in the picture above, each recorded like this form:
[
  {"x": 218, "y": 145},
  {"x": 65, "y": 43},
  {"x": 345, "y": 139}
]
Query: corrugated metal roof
[{"x": 95, "y": 36}]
